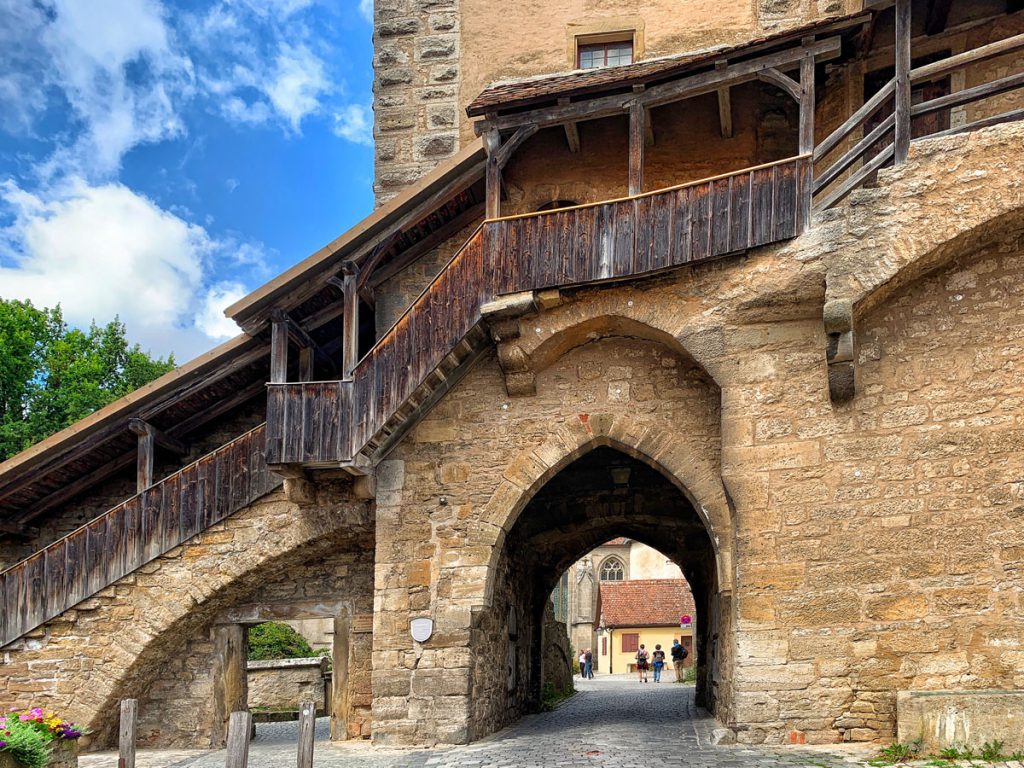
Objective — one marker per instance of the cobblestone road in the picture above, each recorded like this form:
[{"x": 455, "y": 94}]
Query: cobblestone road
[{"x": 613, "y": 723}]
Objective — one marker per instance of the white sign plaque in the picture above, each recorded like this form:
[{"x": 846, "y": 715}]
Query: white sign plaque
[{"x": 421, "y": 629}]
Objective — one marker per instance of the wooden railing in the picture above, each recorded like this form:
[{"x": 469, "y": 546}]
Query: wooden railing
[
  {"x": 834, "y": 179},
  {"x": 331, "y": 422},
  {"x": 133, "y": 533}
]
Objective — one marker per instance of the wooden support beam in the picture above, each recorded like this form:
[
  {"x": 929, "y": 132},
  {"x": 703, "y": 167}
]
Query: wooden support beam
[
  {"x": 278, "y": 352},
  {"x": 505, "y": 151},
  {"x": 636, "y": 148},
  {"x": 239, "y": 733},
  {"x": 648, "y": 128},
  {"x": 350, "y": 323},
  {"x": 309, "y": 349},
  {"x": 901, "y": 147},
  {"x": 163, "y": 439},
  {"x": 724, "y": 106},
  {"x": 938, "y": 15},
  {"x": 492, "y": 174},
  {"x": 144, "y": 460},
  {"x": 230, "y": 687},
  {"x": 366, "y": 271},
  {"x": 676, "y": 90},
  {"x": 807, "y": 105},
  {"x": 572, "y": 132}
]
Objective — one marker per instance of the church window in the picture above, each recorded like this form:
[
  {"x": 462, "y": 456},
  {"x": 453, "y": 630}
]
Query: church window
[
  {"x": 612, "y": 570},
  {"x": 609, "y": 54}
]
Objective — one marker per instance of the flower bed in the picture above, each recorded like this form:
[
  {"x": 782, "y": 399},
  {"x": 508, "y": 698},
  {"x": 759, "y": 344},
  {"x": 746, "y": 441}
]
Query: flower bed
[{"x": 37, "y": 739}]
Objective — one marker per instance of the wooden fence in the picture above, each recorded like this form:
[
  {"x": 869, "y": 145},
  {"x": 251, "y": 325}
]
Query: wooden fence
[
  {"x": 133, "y": 533},
  {"x": 330, "y": 422}
]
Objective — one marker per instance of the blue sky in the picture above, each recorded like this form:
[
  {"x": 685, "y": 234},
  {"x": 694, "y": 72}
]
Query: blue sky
[{"x": 161, "y": 158}]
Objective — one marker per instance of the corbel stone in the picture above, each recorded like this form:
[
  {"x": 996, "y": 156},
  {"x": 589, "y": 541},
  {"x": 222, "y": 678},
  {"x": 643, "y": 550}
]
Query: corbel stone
[
  {"x": 503, "y": 316},
  {"x": 839, "y": 349}
]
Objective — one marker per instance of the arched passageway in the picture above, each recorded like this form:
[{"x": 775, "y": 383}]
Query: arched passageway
[{"x": 603, "y": 494}]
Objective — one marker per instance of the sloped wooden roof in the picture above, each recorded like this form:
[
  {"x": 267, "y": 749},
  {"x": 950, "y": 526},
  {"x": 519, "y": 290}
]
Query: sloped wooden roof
[
  {"x": 511, "y": 95},
  {"x": 644, "y": 602},
  {"x": 40, "y": 478}
]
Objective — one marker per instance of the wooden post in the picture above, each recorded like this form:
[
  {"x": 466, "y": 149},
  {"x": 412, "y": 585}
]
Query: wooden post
[
  {"x": 307, "y": 725},
  {"x": 349, "y": 324},
  {"x": 239, "y": 730},
  {"x": 126, "y": 734},
  {"x": 144, "y": 460},
  {"x": 492, "y": 188},
  {"x": 230, "y": 688},
  {"x": 807, "y": 105},
  {"x": 306, "y": 358},
  {"x": 902, "y": 99},
  {"x": 278, "y": 352},
  {"x": 636, "y": 148},
  {"x": 339, "y": 679}
]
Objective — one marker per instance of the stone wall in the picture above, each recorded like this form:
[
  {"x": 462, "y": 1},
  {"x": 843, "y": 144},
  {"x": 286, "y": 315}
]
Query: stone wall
[
  {"x": 147, "y": 636},
  {"x": 283, "y": 684}
]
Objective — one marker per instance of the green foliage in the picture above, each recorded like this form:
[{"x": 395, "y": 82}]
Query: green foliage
[
  {"x": 900, "y": 753},
  {"x": 950, "y": 753},
  {"x": 992, "y": 750},
  {"x": 690, "y": 674},
  {"x": 551, "y": 696},
  {"x": 52, "y": 375},
  {"x": 1018, "y": 756},
  {"x": 273, "y": 640},
  {"x": 28, "y": 745}
]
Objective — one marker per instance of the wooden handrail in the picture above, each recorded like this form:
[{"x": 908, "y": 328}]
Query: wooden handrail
[
  {"x": 133, "y": 533},
  {"x": 943, "y": 67},
  {"x": 855, "y": 120},
  {"x": 579, "y": 245}
]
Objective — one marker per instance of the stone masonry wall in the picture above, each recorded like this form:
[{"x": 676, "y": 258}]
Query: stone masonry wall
[
  {"x": 875, "y": 545},
  {"x": 114, "y": 644},
  {"x": 441, "y": 484},
  {"x": 180, "y": 694},
  {"x": 416, "y": 78},
  {"x": 283, "y": 684}
]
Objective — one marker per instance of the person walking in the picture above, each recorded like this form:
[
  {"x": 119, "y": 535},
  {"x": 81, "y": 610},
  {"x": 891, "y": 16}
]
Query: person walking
[
  {"x": 583, "y": 662},
  {"x": 642, "y": 663},
  {"x": 678, "y": 659},
  {"x": 588, "y": 657},
  {"x": 658, "y": 657}
]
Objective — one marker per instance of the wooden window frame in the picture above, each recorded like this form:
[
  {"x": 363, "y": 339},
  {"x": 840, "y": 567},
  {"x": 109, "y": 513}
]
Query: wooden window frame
[
  {"x": 634, "y": 638},
  {"x": 581, "y": 45}
]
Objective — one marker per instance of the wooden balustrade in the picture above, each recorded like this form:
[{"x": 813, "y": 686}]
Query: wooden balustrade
[
  {"x": 133, "y": 533},
  {"x": 325, "y": 423},
  {"x": 878, "y": 145}
]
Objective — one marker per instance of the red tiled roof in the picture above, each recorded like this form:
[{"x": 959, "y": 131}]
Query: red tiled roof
[
  {"x": 519, "y": 93},
  {"x": 644, "y": 602},
  {"x": 616, "y": 542}
]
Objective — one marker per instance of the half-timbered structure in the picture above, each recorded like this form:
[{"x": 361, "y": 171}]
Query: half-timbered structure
[{"x": 738, "y": 282}]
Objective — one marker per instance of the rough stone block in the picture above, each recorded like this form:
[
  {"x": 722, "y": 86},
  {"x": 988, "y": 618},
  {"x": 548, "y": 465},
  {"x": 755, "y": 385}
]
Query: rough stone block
[{"x": 956, "y": 718}]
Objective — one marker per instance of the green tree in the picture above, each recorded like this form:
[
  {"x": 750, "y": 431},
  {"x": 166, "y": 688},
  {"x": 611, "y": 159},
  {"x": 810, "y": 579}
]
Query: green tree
[
  {"x": 274, "y": 640},
  {"x": 52, "y": 375}
]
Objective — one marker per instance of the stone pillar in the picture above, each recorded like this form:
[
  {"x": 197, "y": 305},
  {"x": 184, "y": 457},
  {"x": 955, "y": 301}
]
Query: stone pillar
[
  {"x": 340, "y": 710},
  {"x": 230, "y": 689}
]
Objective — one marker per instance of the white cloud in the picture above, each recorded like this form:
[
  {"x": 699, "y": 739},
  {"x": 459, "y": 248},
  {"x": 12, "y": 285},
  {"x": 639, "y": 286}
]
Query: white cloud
[
  {"x": 354, "y": 122},
  {"x": 366, "y": 10},
  {"x": 210, "y": 319},
  {"x": 102, "y": 251},
  {"x": 296, "y": 84},
  {"x": 121, "y": 76}
]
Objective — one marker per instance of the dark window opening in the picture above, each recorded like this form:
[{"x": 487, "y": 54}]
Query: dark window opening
[{"x": 611, "y": 54}]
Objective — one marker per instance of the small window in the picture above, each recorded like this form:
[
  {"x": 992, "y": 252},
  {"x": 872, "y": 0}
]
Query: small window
[
  {"x": 630, "y": 642},
  {"x": 604, "y": 646},
  {"x": 611, "y": 54},
  {"x": 612, "y": 570}
]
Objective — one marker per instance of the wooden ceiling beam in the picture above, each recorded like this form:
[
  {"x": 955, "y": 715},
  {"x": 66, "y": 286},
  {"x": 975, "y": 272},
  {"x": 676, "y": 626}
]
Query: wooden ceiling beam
[{"x": 572, "y": 131}]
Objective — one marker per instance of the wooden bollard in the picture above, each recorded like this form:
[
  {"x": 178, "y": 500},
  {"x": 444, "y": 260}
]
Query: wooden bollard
[
  {"x": 307, "y": 728},
  {"x": 126, "y": 733},
  {"x": 239, "y": 732}
]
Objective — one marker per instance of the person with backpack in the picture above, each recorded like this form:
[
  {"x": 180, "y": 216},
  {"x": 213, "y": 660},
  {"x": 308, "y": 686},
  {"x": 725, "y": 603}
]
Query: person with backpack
[
  {"x": 588, "y": 664},
  {"x": 679, "y": 655},
  {"x": 658, "y": 660},
  {"x": 642, "y": 664}
]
